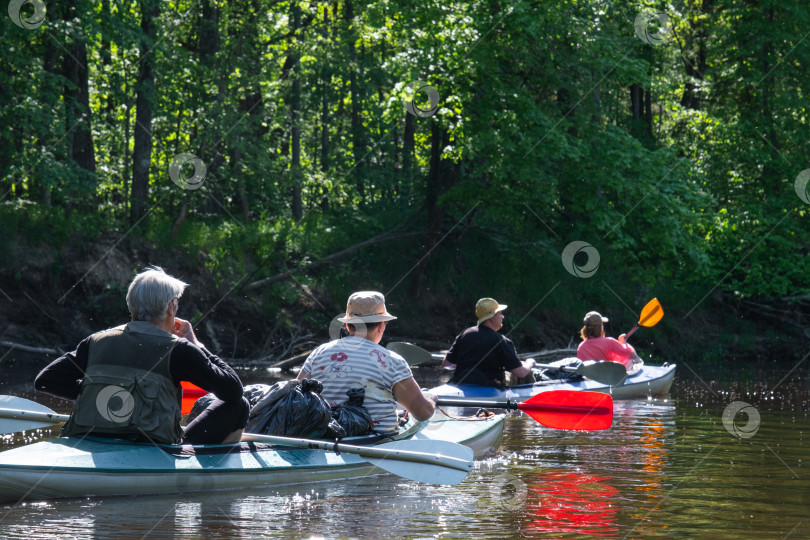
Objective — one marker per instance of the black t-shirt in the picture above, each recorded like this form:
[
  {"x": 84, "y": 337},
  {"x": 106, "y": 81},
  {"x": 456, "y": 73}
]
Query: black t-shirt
[{"x": 483, "y": 350}]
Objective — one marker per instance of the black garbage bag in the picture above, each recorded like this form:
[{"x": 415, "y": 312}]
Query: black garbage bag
[
  {"x": 551, "y": 374},
  {"x": 352, "y": 416},
  {"x": 294, "y": 409},
  {"x": 287, "y": 408}
]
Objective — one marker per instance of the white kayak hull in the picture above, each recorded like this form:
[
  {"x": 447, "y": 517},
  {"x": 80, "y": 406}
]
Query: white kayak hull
[{"x": 90, "y": 467}]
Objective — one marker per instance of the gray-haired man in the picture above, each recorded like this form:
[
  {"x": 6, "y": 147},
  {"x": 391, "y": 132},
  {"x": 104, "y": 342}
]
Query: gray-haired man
[{"x": 126, "y": 380}]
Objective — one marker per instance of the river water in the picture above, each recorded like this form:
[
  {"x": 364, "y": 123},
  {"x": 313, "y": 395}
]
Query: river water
[{"x": 707, "y": 462}]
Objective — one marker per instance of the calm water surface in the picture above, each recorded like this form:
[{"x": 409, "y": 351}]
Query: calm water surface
[{"x": 668, "y": 467}]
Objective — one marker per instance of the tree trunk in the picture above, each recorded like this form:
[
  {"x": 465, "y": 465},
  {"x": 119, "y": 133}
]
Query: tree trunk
[
  {"x": 440, "y": 179},
  {"x": 695, "y": 59},
  {"x": 636, "y": 101},
  {"x": 770, "y": 168},
  {"x": 50, "y": 67},
  {"x": 142, "y": 153},
  {"x": 408, "y": 145},
  {"x": 295, "y": 111},
  {"x": 326, "y": 82},
  {"x": 358, "y": 142},
  {"x": 208, "y": 32},
  {"x": 181, "y": 217},
  {"x": 648, "y": 116},
  {"x": 77, "y": 106}
]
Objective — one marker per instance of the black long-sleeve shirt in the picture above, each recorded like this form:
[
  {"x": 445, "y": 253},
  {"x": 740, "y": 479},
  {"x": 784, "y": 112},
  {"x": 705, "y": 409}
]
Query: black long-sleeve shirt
[{"x": 63, "y": 377}]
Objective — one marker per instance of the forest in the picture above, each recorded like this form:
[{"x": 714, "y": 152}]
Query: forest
[{"x": 560, "y": 156}]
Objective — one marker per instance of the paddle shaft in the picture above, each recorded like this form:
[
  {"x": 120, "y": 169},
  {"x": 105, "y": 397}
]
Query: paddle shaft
[
  {"x": 516, "y": 405},
  {"x": 630, "y": 333},
  {"x": 558, "y": 368},
  {"x": 45, "y": 417},
  {"x": 368, "y": 452}
]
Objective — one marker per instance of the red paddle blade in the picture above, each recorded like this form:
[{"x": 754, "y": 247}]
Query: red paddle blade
[
  {"x": 571, "y": 409},
  {"x": 191, "y": 393}
]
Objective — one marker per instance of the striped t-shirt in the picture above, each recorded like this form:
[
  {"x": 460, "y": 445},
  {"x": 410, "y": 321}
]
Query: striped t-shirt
[{"x": 356, "y": 362}]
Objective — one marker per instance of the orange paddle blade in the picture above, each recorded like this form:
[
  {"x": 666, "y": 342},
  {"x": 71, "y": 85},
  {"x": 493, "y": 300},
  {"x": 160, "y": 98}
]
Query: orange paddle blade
[
  {"x": 651, "y": 314},
  {"x": 191, "y": 393},
  {"x": 577, "y": 410}
]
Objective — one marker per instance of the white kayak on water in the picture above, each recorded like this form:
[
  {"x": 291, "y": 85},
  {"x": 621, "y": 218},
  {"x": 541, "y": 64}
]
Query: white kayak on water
[{"x": 96, "y": 466}]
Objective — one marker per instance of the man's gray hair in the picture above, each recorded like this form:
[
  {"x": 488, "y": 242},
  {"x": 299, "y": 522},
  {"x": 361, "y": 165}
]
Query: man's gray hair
[{"x": 150, "y": 293}]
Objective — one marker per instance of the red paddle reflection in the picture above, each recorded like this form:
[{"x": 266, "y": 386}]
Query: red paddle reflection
[{"x": 571, "y": 503}]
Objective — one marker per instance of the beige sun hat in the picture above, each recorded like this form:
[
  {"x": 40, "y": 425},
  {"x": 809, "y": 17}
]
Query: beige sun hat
[
  {"x": 366, "y": 307},
  {"x": 486, "y": 308}
]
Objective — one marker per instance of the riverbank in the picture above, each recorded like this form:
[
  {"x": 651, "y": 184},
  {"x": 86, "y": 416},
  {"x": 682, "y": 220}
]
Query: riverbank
[{"x": 51, "y": 299}]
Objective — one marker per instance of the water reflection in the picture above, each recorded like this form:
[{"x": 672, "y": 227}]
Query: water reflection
[
  {"x": 586, "y": 478},
  {"x": 666, "y": 468},
  {"x": 564, "y": 502}
]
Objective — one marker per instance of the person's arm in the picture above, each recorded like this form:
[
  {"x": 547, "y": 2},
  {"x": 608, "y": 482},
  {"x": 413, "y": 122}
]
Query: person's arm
[
  {"x": 63, "y": 377},
  {"x": 409, "y": 395},
  {"x": 449, "y": 361},
  {"x": 620, "y": 352},
  {"x": 306, "y": 369},
  {"x": 208, "y": 371},
  {"x": 623, "y": 340},
  {"x": 511, "y": 361},
  {"x": 524, "y": 369}
]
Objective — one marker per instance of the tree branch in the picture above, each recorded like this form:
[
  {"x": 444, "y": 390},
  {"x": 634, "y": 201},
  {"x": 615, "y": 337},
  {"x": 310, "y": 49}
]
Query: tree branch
[
  {"x": 388, "y": 235},
  {"x": 26, "y": 348}
]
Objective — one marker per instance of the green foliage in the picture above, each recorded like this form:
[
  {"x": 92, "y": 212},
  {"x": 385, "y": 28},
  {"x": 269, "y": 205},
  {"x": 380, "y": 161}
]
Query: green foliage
[{"x": 534, "y": 143}]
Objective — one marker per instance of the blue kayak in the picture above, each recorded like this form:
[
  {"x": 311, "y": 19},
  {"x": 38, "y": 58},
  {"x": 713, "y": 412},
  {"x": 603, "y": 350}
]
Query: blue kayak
[{"x": 650, "y": 381}]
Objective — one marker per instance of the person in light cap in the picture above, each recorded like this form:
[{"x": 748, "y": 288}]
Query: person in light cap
[
  {"x": 482, "y": 356},
  {"x": 595, "y": 346},
  {"x": 359, "y": 362}
]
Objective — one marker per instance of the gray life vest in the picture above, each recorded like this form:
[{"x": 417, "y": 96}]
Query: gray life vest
[{"x": 127, "y": 387}]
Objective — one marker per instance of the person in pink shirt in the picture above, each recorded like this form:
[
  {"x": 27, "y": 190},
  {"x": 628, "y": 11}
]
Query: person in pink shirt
[{"x": 595, "y": 346}]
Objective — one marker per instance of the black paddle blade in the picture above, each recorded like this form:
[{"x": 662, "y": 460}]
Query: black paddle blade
[{"x": 610, "y": 373}]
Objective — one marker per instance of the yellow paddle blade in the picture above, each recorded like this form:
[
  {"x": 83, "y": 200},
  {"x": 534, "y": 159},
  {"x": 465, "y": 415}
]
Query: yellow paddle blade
[{"x": 651, "y": 314}]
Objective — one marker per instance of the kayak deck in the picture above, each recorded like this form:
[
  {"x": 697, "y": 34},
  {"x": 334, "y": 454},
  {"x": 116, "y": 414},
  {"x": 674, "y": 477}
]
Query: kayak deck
[{"x": 95, "y": 466}]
